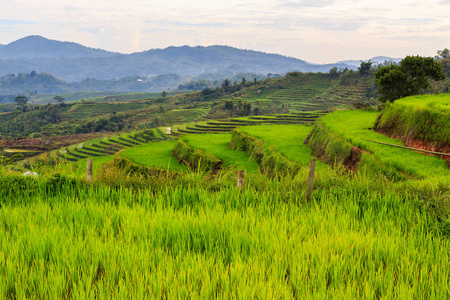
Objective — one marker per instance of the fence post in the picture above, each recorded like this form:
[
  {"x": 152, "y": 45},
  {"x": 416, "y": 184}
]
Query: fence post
[
  {"x": 312, "y": 167},
  {"x": 240, "y": 179},
  {"x": 89, "y": 171}
]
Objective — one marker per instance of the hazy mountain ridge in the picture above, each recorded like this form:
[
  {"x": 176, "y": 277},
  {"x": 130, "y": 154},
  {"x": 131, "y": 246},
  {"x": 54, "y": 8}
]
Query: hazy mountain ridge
[
  {"x": 74, "y": 62},
  {"x": 35, "y": 46},
  {"x": 376, "y": 60}
]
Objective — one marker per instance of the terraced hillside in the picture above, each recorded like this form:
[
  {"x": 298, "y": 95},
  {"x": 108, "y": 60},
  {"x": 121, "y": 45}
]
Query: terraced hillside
[
  {"x": 106, "y": 146},
  {"x": 306, "y": 92},
  {"x": 221, "y": 126}
]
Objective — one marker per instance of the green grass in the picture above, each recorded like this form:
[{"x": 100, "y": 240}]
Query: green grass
[
  {"x": 79, "y": 167},
  {"x": 84, "y": 110},
  {"x": 355, "y": 127},
  {"x": 441, "y": 101},
  {"x": 73, "y": 96},
  {"x": 218, "y": 145},
  {"x": 423, "y": 118},
  {"x": 357, "y": 239},
  {"x": 286, "y": 139},
  {"x": 154, "y": 155},
  {"x": 184, "y": 115}
]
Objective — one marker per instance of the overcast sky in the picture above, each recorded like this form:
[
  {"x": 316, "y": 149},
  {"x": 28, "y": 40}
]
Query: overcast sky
[{"x": 320, "y": 31}]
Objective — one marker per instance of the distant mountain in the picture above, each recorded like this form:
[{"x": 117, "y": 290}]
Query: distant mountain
[
  {"x": 39, "y": 47},
  {"x": 74, "y": 62},
  {"x": 376, "y": 60}
]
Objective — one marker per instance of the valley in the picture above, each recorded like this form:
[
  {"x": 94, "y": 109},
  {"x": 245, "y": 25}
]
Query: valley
[{"x": 164, "y": 217}]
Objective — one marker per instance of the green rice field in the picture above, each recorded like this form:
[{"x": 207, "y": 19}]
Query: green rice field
[
  {"x": 286, "y": 139},
  {"x": 154, "y": 155},
  {"x": 218, "y": 145},
  {"x": 206, "y": 239},
  {"x": 147, "y": 227}
]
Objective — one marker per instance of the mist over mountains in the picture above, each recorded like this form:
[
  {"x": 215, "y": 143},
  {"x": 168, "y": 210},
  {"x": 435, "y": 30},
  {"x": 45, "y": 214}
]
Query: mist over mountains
[{"x": 74, "y": 62}]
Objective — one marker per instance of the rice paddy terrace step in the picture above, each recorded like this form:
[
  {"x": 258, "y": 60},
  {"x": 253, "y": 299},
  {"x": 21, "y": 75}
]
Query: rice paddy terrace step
[
  {"x": 99, "y": 149},
  {"x": 82, "y": 151},
  {"x": 129, "y": 141},
  {"x": 112, "y": 145}
]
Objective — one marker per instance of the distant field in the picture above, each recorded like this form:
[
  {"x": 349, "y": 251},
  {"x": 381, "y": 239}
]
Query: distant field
[
  {"x": 183, "y": 115},
  {"x": 154, "y": 155},
  {"x": 310, "y": 91},
  {"x": 48, "y": 98},
  {"x": 81, "y": 111},
  {"x": 93, "y": 96}
]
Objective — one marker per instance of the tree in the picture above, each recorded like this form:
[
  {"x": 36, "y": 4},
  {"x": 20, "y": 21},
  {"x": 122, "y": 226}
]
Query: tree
[
  {"x": 59, "y": 99},
  {"x": 247, "y": 109},
  {"x": 164, "y": 94},
  {"x": 334, "y": 72},
  {"x": 443, "y": 54},
  {"x": 229, "y": 105},
  {"x": 21, "y": 101},
  {"x": 411, "y": 77},
  {"x": 365, "y": 67},
  {"x": 226, "y": 85}
]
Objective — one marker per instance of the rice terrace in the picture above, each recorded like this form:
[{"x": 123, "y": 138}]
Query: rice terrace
[{"x": 305, "y": 185}]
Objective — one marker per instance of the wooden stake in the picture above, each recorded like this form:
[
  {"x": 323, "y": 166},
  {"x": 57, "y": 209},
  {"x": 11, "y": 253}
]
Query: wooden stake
[
  {"x": 312, "y": 168},
  {"x": 240, "y": 179},
  {"x": 89, "y": 171}
]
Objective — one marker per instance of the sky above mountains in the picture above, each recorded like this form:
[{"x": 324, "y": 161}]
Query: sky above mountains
[{"x": 318, "y": 31}]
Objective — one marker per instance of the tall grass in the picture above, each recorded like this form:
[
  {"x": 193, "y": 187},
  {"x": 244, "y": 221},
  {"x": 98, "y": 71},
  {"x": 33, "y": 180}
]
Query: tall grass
[
  {"x": 426, "y": 118},
  {"x": 206, "y": 239}
]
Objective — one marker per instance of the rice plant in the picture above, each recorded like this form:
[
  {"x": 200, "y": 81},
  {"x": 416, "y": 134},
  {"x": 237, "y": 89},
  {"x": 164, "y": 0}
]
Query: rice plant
[{"x": 204, "y": 238}]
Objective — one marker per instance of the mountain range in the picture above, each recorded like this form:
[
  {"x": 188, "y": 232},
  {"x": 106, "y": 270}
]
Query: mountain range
[
  {"x": 375, "y": 60},
  {"x": 74, "y": 62}
]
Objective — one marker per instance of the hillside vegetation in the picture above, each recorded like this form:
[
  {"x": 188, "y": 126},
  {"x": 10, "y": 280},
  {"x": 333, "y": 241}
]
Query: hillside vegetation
[
  {"x": 295, "y": 93},
  {"x": 165, "y": 219},
  {"x": 423, "y": 119}
]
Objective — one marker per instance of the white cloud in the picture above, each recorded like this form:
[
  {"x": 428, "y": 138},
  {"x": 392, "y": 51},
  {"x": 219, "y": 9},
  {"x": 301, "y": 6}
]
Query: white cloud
[{"x": 317, "y": 31}]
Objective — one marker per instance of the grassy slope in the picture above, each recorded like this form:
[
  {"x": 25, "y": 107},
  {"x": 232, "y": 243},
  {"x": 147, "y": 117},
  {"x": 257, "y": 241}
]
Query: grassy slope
[
  {"x": 309, "y": 91},
  {"x": 441, "y": 102},
  {"x": 355, "y": 127},
  {"x": 218, "y": 145},
  {"x": 425, "y": 118},
  {"x": 82, "y": 111},
  {"x": 154, "y": 155},
  {"x": 286, "y": 139}
]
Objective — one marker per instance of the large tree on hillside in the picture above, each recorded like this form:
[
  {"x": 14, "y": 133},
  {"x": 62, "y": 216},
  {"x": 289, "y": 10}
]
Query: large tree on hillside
[
  {"x": 443, "y": 54},
  {"x": 411, "y": 77},
  {"x": 365, "y": 67},
  {"x": 21, "y": 102}
]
